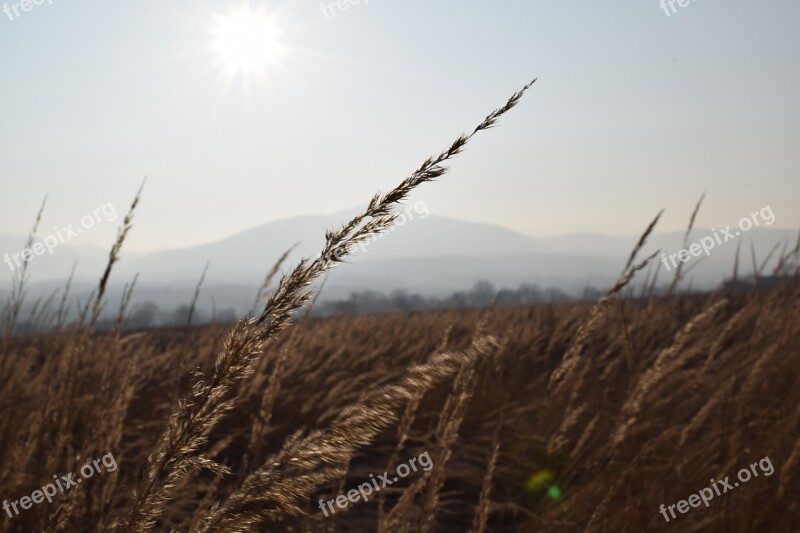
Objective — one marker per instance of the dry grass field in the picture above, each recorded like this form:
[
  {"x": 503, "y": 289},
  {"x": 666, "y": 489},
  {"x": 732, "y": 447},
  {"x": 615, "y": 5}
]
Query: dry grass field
[
  {"x": 555, "y": 417},
  {"x": 713, "y": 380}
]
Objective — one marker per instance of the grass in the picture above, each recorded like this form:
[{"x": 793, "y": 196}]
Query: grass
[{"x": 556, "y": 417}]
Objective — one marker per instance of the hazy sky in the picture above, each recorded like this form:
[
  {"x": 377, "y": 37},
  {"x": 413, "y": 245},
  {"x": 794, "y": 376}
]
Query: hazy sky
[{"x": 634, "y": 111}]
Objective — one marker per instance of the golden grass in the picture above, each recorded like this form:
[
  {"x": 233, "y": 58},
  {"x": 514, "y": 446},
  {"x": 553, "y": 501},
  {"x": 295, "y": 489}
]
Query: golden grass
[
  {"x": 693, "y": 421},
  {"x": 243, "y": 429}
]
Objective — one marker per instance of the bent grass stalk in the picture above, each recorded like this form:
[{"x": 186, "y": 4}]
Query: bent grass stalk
[{"x": 191, "y": 423}]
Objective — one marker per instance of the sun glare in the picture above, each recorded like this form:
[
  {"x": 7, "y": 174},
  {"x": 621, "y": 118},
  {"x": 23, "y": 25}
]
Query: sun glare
[{"x": 247, "y": 41}]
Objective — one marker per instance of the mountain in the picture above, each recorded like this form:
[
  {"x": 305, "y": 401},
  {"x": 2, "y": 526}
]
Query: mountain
[
  {"x": 426, "y": 254},
  {"x": 249, "y": 254}
]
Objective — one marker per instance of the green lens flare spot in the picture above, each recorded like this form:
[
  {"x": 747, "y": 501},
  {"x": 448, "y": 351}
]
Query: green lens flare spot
[
  {"x": 554, "y": 492},
  {"x": 539, "y": 481}
]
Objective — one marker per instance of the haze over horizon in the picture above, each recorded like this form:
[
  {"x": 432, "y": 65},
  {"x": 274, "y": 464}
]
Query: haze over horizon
[{"x": 425, "y": 253}]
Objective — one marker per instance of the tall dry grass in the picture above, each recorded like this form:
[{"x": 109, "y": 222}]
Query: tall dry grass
[{"x": 618, "y": 406}]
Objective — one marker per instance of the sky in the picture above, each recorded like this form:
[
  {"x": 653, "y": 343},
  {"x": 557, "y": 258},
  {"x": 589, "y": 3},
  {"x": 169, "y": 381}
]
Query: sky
[{"x": 634, "y": 110}]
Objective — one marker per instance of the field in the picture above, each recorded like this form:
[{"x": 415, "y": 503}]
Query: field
[
  {"x": 666, "y": 393},
  {"x": 647, "y": 410}
]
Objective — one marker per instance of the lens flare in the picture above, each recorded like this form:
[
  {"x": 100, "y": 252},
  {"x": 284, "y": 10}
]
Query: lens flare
[{"x": 542, "y": 481}]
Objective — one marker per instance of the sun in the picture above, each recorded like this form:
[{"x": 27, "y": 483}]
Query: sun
[{"x": 247, "y": 41}]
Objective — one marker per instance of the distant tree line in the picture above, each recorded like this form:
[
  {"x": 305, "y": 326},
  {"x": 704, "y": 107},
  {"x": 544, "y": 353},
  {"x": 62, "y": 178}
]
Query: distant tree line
[
  {"x": 483, "y": 294},
  {"x": 147, "y": 315}
]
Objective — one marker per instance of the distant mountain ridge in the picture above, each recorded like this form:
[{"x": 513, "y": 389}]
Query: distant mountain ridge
[
  {"x": 428, "y": 254},
  {"x": 251, "y": 252}
]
